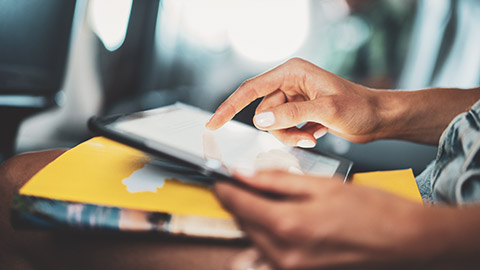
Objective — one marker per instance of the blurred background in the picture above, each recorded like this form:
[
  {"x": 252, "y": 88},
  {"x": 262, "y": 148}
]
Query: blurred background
[{"x": 63, "y": 61}]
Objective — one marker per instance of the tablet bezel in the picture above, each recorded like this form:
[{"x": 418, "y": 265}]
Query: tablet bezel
[{"x": 102, "y": 126}]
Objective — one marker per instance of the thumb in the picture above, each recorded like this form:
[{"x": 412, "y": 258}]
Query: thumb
[{"x": 288, "y": 115}]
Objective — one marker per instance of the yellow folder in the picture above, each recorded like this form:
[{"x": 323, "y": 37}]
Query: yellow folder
[
  {"x": 399, "y": 182},
  {"x": 104, "y": 172},
  {"x": 101, "y": 171}
]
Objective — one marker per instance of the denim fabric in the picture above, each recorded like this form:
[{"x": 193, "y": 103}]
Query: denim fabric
[
  {"x": 425, "y": 184},
  {"x": 454, "y": 178}
]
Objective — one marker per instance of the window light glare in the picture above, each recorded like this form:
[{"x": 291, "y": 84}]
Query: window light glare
[
  {"x": 269, "y": 30},
  {"x": 109, "y": 20}
]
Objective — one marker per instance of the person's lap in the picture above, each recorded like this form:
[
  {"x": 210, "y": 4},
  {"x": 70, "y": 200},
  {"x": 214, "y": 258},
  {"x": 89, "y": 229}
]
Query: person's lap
[{"x": 25, "y": 249}]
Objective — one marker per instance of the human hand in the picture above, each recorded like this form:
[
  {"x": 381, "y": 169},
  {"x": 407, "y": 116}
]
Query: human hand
[
  {"x": 320, "y": 223},
  {"x": 297, "y": 92}
]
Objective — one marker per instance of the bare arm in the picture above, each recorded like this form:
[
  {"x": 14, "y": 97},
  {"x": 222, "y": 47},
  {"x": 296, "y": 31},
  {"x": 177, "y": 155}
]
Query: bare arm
[
  {"x": 298, "y": 91},
  {"x": 422, "y": 115}
]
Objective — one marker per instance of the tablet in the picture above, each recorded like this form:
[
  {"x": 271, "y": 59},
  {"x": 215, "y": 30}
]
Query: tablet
[{"x": 177, "y": 133}]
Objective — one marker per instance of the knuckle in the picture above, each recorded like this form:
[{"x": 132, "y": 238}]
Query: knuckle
[
  {"x": 229, "y": 107},
  {"x": 295, "y": 61},
  {"x": 285, "y": 227},
  {"x": 249, "y": 90},
  {"x": 246, "y": 83},
  {"x": 294, "y": 67},
  {"x": 294, "y": 111},
  {"x": 330, "y": 105}
]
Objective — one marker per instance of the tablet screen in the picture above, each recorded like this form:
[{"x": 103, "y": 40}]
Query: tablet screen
[{"x": 179, "y": 130}]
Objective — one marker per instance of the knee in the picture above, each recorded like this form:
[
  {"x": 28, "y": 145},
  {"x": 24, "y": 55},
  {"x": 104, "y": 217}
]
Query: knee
[
  {"x": 15, "y": 171},
  {"x": 11, "y": 170}
]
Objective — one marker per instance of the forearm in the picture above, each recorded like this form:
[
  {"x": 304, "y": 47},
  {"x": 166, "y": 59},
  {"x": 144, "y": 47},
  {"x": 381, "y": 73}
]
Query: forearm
[
  {"x": 451, "y": 238},
  {"x": 421, "y": 116}
]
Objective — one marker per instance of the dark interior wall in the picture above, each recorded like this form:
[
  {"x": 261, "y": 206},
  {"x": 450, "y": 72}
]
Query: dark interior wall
[{"x": 34, "y": 39}]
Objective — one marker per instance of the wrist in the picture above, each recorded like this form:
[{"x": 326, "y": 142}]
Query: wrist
[
  {"x": 409, "y": 115},
  {"x": 420, "y": 115},
  {"x": 390, "y": 111}
]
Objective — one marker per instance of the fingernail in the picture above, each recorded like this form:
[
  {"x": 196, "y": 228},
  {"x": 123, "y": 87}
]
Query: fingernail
[
  {"x": 305, "y": 144},
  {"x": 209, "y": 120},
  {"x": 320, "y": 133},
  {"x": 295, "y": 170},
  {"x": 264, "y": 119}
]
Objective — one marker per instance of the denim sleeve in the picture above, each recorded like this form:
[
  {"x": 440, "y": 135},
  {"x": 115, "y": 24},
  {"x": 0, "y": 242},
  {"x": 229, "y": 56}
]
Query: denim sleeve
[{"x": 455, "y": 177}]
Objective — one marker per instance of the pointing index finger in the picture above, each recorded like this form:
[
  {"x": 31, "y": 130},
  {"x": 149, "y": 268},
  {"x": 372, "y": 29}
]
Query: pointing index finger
[{"x": 249, "y": 91}]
